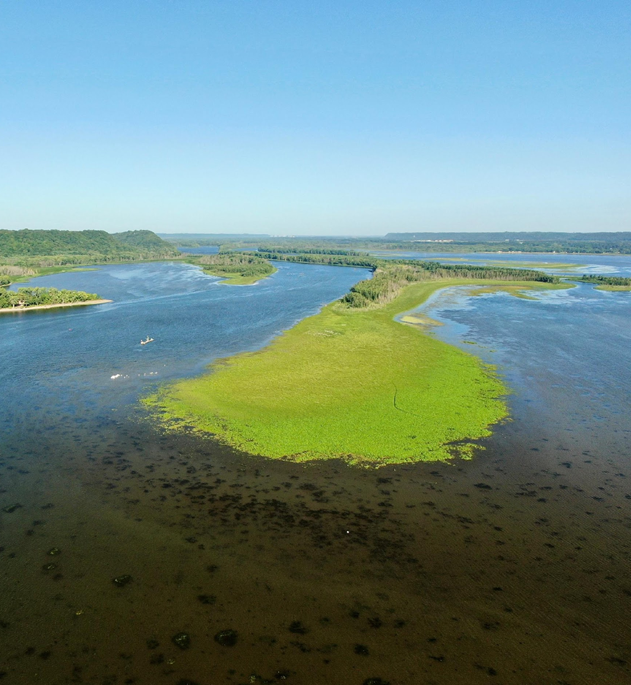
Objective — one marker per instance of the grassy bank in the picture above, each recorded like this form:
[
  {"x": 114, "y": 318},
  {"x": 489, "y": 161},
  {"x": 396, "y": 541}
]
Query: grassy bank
[
  {"x": 347, "y": 383},
  {"x": 614, "y": 288}
]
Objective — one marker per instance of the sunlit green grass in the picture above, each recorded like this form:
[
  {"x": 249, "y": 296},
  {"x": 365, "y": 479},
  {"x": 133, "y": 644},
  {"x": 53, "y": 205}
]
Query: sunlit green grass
[
  {"x": 350, "y": 384},
  {"x": 237, "y": 279},
  {"x": 614, "y": 288},
  {"x": 240, "y": 280}
]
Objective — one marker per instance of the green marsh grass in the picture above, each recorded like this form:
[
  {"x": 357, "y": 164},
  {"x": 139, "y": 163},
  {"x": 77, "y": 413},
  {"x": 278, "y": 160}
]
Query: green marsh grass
[{"x": 350, "y": 384}]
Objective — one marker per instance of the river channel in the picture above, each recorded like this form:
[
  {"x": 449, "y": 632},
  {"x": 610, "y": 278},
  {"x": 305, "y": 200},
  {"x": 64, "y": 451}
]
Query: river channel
[{"x": 510, "y": 568}]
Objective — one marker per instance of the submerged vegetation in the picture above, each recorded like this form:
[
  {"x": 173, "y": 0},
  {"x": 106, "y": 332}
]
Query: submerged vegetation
[
  {"x": 237, "y": 268},
  {"x": 352, "y": 382}
]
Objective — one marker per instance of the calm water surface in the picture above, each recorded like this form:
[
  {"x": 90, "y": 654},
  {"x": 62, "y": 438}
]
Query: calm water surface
[{"x": 511, "y": 568}]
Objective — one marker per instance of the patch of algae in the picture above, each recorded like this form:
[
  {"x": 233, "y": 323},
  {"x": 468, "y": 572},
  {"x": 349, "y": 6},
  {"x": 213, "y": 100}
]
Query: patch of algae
[{"x": 346, "y": 383}]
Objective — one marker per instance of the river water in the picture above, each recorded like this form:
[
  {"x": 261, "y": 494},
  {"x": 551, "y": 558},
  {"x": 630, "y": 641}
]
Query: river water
[{"x": 511, "y": 568}]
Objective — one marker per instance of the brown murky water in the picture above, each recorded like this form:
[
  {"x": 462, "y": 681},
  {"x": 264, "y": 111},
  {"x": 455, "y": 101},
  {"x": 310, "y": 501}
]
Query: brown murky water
[{"x": 512, "y": 568}]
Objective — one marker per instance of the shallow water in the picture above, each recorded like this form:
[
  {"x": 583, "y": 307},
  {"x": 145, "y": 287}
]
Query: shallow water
[
  {"x": 611, "y": 265},
  {"x": 511, "y": 568}
]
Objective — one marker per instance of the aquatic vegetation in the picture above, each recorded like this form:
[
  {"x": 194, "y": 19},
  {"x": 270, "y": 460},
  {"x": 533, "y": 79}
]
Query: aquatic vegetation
[
  {"x": 346, "y": 383},
  {"x": 515, "y": 289},
  {"x": 227, "y": 638},
  {"x": 182, "y": 640},
  {"x": 121, "y": 581}
]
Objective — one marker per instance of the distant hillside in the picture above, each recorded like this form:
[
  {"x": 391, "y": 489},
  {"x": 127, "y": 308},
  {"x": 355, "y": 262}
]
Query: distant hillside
[
  {"x": 97, "y": 244},
  {"x": 526, "y": 236},
  {"x": 145, "y": 241},
  {"x": 535, "y": 241},
  {"x": 209, "y": 239}
]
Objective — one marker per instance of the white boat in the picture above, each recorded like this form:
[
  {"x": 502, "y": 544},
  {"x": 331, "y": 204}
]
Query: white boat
[{"x": 146, "y": 340}]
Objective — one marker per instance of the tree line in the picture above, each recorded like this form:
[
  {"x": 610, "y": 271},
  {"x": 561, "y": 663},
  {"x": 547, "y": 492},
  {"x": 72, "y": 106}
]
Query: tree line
[
  {"x": 605, "y": 280},
  {"x": 538, "y": 242},
  {"x": 312, "y": 250},
  {"x": 391, "y": 277},
  {"x": 32, "y": 297},
  {"x": 315, "y": 257},
  {"x": 236, "y": 264}
]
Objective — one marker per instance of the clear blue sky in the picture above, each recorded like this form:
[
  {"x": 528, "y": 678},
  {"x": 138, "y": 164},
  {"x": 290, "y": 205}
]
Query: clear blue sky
[{"x": 320, "y": 117}]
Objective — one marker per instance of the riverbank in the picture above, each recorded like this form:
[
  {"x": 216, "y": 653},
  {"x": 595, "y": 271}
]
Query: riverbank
[
  {"x": 352, "y": 384},
  {"x": 15, "y": 310}
]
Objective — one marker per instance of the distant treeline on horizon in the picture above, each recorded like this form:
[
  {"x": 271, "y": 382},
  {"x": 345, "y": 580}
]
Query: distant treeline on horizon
[
  {"x": 44, "y": 248},
  {"x": 497, "y": 237},
  {"x": 426, "y": 242}
]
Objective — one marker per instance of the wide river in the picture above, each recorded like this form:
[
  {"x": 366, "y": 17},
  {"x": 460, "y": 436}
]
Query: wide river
[{"x": 511, "y": 568}]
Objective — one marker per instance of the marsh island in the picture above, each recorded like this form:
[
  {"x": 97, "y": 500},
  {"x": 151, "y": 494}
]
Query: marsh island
[{"x": 351, "y": 382}]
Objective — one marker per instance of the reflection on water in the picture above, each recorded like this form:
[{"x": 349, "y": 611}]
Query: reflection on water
[{"x": 512, "y": 568}]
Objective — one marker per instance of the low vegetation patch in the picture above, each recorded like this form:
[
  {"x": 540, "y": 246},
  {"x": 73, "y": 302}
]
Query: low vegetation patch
[
  {"x": 349, "y": 383},
  {"x": 237, "y": 268}
]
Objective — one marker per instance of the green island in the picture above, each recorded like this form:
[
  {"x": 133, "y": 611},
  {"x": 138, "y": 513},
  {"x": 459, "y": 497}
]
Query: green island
[
  {"x": 235, "y": 267},
  {"x": 611, "y": 283},
  {"x": 43, "y": 298},
  {"x": 352, "y": 382}
]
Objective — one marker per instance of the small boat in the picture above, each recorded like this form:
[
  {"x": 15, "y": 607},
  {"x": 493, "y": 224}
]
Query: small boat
[{"x": 146, "y": 340}]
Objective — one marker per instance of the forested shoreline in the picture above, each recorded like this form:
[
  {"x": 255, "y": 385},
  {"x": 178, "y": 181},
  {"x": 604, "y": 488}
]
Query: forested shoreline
[
  {"x": 24, "y": 298},
  {"x": 390, "y": 276},
  {"x": 29, "y": 253}
]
